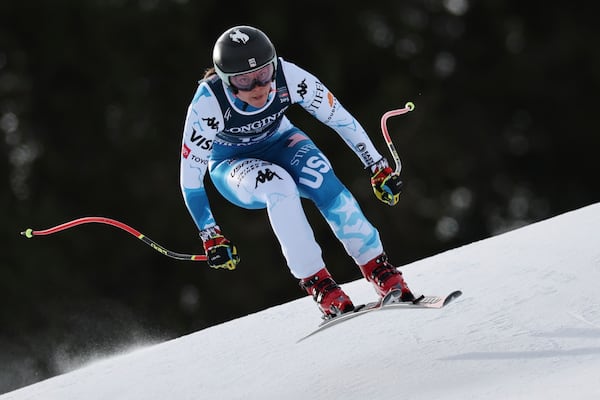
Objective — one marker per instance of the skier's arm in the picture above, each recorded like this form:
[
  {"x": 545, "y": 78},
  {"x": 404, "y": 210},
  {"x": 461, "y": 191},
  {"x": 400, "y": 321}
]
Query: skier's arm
[
  {"x": 319, "y": 101},
  {"x": 202, "y": 123},
  {"x": 220, "y": 252},
  {"x": 196, "y": 147},
  {"x": 314, "y": 97}
]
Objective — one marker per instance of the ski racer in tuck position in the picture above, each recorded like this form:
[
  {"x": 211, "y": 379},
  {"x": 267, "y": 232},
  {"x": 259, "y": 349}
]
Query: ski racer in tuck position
[{"x": 236, "y": 129}]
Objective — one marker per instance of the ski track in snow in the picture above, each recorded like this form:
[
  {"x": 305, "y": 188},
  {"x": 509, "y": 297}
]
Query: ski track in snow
[{"x": 526, "y": 327}]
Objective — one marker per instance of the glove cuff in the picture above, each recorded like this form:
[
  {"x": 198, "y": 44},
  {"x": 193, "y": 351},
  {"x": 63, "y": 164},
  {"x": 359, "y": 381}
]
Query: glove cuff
[
  {"x": 379, "y": 165},
  {"x": 210, "y": 233}
]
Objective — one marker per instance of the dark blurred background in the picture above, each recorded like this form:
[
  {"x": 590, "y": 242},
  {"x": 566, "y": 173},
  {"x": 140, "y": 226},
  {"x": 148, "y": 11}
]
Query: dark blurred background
[{"x": 93, "y": 95}]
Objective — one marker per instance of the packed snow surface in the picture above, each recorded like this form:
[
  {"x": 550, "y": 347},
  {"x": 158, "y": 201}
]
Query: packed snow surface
[{"x": 526, "y": 327}]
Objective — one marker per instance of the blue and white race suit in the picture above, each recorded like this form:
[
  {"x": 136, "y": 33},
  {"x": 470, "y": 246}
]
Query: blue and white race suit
[{"x": 257, "y": 159}]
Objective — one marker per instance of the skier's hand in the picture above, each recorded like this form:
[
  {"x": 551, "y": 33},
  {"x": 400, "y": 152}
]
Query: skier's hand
[
  {"x": 386, "y": 184},
  {"x": 220, "y": 252}
]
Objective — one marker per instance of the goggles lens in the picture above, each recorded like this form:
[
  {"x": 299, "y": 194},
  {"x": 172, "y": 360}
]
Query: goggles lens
[{"x": 250, "y": 80}]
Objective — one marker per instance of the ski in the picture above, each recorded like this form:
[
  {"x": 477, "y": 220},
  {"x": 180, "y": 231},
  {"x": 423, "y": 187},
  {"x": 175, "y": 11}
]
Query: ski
[{"x": 390, "y": 302}]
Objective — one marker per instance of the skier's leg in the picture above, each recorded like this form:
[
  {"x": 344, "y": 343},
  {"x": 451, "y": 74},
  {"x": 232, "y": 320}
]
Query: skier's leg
[
  {"x": 362, "y": 242},
  {"x": 358, "y": 236},
  {"x": 318, "y": 182},
  {"x": 252, "y": 183}
]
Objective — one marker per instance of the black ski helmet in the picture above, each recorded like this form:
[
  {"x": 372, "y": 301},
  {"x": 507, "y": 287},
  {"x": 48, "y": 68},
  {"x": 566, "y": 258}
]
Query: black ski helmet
[{"x": 242, "y": 49}]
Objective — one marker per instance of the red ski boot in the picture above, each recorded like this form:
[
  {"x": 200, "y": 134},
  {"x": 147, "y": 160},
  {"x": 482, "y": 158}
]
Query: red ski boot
[
  {"x": 329, "y": 296},
  {"x": 385, "y": 277}
]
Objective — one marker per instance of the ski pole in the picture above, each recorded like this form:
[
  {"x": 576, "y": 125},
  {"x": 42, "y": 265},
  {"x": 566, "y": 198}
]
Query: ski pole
[
  {"x": 29, "y": 233},
  {"x": 408, "y": 107}
]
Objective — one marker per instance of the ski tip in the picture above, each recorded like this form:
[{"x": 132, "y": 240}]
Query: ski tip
[{"x": 453, "y": 296}]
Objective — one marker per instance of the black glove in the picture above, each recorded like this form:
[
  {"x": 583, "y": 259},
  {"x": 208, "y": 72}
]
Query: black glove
[
  {"x": 220, "y": 252},
  {"x": 386, "y": 184}
]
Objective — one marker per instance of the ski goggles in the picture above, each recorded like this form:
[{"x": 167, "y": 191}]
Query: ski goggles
[{"x": 249, "y": 80}]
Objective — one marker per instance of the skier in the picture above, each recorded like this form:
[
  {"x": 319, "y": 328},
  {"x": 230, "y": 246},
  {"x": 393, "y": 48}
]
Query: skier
[{"x": 237, "y": 129}]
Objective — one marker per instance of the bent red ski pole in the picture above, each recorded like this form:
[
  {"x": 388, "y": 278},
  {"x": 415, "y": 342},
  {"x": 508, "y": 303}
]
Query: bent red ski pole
[
  {"x": 29, "y": 233},
  {"x": 408, "y": 107}
]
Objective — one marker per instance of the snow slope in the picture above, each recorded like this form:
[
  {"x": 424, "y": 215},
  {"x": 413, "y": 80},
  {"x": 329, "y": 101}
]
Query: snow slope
[{"x": 526, "y": 327}]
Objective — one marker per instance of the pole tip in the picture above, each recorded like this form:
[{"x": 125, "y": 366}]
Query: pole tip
[
  {"x": 410, "y": 105},
  {"x": 28, "y": 233}
]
